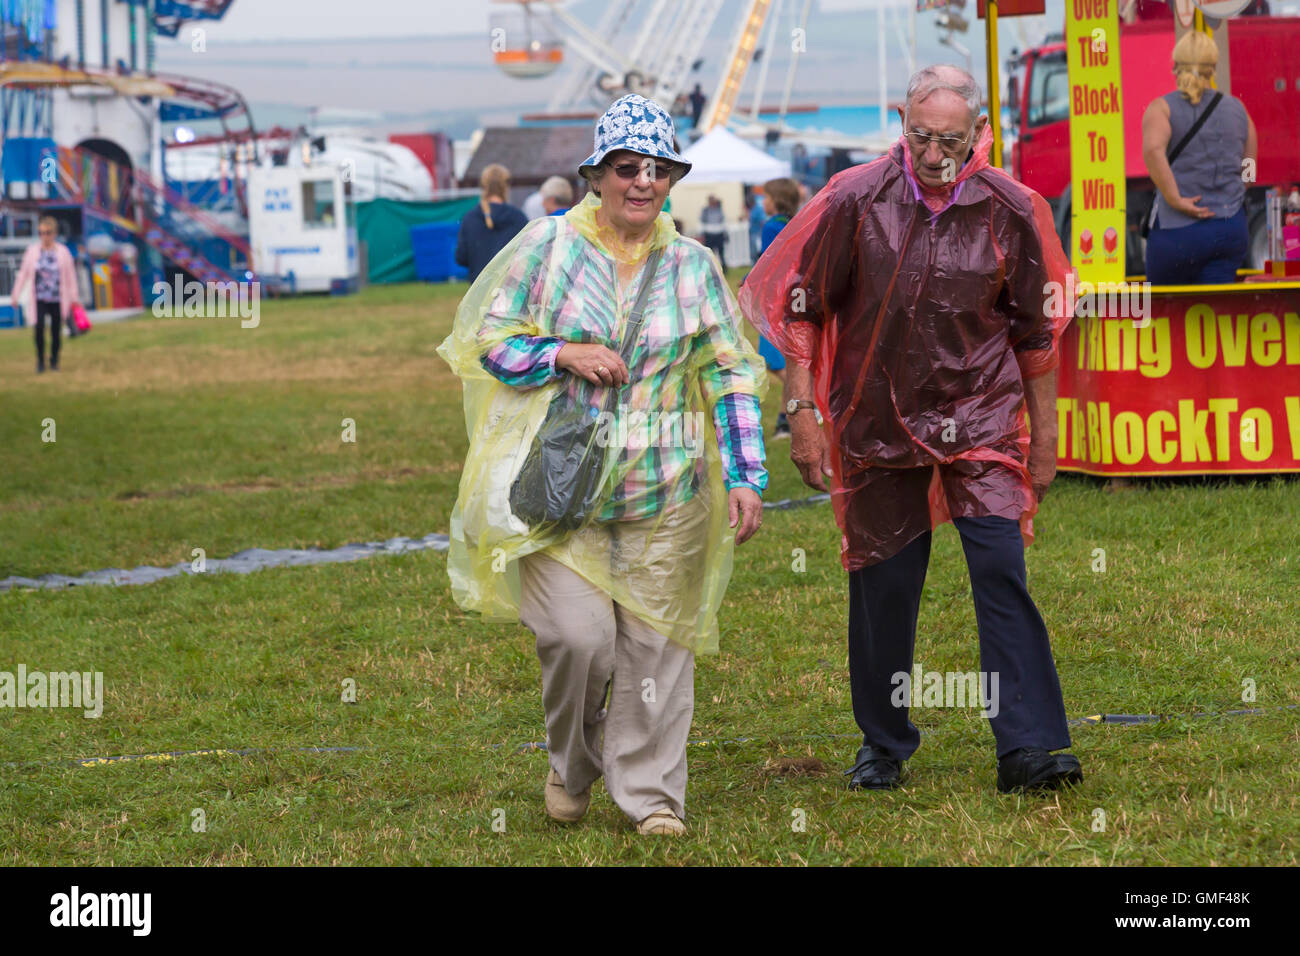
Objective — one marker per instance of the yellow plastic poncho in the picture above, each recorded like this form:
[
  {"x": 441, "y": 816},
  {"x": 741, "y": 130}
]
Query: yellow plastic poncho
[{"x": 658, "y": 542}]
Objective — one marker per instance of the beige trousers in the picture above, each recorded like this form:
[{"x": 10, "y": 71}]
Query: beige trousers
[{"x": 591, "y": 648}]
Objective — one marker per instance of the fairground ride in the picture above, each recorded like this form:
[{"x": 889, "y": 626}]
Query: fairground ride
[
  {"x": 653, "y": 47},
  {"x": 82, "y": 109}
]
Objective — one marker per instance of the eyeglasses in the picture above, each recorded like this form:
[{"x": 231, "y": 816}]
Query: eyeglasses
[
  {"x": 45, "y": 232},
  {"x": 632, "y": 170},
  {"x": 947, "y": 143}
]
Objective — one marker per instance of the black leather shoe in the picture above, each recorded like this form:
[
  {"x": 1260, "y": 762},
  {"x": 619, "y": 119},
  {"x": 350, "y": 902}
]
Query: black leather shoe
[
  {"x": 1034, "y": 769},
  {"x": 874, "y": 769}
]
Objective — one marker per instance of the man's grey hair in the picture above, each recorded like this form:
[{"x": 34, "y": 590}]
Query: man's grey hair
[
  {"x": 559, "y": 189},
  {"x": 924, "y": 83}
]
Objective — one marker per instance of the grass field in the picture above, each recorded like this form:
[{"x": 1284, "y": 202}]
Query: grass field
[{"x": 175, "y": 434}]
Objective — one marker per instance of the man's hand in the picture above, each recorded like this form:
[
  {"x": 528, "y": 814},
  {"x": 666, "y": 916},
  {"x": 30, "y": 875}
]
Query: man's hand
[
  {"x": 1040, "y": 401},
  {"x": 1042, "y": 466},
  {"x": 596, "y": 363},
  {"x": 809, "y": 450},
  {"x": 746, "y": 508}
]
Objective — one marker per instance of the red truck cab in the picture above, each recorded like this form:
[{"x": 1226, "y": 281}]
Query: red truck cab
[{"x": 1264, "y": 59}]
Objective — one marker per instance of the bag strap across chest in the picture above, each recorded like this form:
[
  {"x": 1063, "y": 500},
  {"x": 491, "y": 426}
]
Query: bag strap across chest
[{"x": 633, "y": 326}]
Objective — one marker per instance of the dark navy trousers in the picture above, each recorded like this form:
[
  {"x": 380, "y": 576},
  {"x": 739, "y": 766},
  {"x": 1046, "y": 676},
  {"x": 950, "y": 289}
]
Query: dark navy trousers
[
  {"x": 1207, "y": 252},
  {"x": 884, "y": 600}
]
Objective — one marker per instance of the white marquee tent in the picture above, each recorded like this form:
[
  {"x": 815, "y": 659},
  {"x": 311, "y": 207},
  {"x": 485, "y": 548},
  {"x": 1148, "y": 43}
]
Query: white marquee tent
[
  {"x": 722, "y": 164},
  {"x": 720, "y": 156}
]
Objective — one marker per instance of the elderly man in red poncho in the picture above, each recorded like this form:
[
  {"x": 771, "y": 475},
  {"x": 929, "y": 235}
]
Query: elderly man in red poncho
[{"x": 912, "y": 298}]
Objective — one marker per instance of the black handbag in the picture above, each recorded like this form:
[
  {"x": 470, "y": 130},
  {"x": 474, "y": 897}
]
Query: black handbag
[
  {"x": 559, "y": 482},
  {"x": 1176, "y": 152}
]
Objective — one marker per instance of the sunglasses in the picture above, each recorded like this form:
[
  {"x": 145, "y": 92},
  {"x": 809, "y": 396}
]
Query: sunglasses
[
  {"x": 947, "y": 143},
  {"x": 632, "y": 170}
]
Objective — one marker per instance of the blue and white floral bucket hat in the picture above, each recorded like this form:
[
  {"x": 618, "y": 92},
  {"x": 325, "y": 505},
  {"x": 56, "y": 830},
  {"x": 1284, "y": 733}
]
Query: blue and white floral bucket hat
[{"x": 637, "y": 124}]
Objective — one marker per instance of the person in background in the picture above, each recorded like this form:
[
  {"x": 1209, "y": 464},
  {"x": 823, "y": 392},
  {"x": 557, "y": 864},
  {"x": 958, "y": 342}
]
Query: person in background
[
  {"x": 781, "y": 200},
  {"x": 47, "y": 265},
  {"x": 1199, "y": 236},
  {"x": 697, "y": 106},
  {"x": 713, "y": 222},
  {"x": 533, "y": 206},
  {"x": 757, "y": 216},
  {"x": 557, "y": 196},
  {"x": 491, "y": 224},
  {"x": 780, "y": 203}
]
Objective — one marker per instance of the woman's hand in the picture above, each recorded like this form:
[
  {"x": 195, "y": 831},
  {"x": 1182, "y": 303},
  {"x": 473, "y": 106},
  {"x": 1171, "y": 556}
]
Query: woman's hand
[
  {"x": 746, "y": 508},
  {"x": 1187, "y": 206},
  {"x": 596, "y": 363},
  {"x": 1156, "y": 133}
]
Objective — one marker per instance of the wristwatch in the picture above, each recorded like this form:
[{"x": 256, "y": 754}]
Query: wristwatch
[{"x": 795, "y": 404}]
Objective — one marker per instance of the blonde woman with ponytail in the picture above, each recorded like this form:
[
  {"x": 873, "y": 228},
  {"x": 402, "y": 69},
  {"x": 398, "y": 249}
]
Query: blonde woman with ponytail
[
  {"x": 1199, "y": 234},
  {"x": 1196, "y": 58},
  {"x": 489, "y": 226}
]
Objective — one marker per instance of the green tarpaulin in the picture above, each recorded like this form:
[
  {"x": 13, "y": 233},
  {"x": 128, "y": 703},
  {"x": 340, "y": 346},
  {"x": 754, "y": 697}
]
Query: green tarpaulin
[{"x": 384, "y": 225}]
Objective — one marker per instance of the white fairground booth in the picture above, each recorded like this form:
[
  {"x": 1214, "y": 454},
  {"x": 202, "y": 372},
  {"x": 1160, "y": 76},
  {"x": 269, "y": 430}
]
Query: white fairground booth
[{"x": 302, "y": 226}]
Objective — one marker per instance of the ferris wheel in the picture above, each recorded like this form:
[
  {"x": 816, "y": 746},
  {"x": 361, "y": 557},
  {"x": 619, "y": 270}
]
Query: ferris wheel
[{"x": 654, "y": 54}]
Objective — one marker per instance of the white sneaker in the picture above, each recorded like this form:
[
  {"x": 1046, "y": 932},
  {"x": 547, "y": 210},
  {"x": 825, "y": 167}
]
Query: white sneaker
[
  {"x": 662, "y": 822},
  {"x": 562, "y": 805}
]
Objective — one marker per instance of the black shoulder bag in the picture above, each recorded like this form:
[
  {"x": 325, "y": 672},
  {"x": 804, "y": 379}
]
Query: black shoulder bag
[
  {"x": 1176, "y": 152},
  {"x": 559, "y": 481}
]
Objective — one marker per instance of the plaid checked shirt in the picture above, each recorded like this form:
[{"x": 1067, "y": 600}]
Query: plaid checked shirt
[{"x": 691, "y": 325}]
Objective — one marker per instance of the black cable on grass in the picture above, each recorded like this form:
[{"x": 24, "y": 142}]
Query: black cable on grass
[
  {"x": 1096, "y": 719},
  {"x": 787, "y": 503}
]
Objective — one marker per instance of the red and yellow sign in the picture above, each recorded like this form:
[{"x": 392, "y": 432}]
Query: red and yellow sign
[
  {"x": 1209, "y": 382},
  {"x": 1097, "y": 183},
  {"x": 1012, "y": 8}
]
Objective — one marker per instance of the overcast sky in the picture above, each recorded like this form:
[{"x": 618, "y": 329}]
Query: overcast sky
[
  {"x": 317, "y": 19},
  {"x": 426, "y": 63}
]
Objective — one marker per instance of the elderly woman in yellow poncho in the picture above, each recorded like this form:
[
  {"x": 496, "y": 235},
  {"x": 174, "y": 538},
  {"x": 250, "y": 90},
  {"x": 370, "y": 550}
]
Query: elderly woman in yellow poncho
[{"x": 616, "y": 457}]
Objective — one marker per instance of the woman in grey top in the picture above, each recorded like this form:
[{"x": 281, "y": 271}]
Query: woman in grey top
[{"x": 1199, "y": 236}]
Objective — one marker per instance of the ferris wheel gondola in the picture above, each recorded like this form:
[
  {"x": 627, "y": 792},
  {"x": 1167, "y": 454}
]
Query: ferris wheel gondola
[
  {"x": 525, "y": 41},
  {"x": 655, "y": 61}
]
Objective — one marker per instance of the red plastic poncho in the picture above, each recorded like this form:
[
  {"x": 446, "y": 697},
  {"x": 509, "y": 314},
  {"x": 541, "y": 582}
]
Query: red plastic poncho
[{"x": 920, "y": 312}]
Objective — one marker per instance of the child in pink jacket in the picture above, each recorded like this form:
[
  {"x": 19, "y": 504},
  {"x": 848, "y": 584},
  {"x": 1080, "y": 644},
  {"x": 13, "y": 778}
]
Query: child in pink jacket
[{"x": 48, "y": 265}]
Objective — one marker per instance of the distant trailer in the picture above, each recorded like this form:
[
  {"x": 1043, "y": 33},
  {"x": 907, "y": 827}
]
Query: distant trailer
[{"x": 303, "y": 228}]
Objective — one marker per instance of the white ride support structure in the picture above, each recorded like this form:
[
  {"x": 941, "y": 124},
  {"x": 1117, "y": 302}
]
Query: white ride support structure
[
  {"x": 653, "y": 47},
  {"x": 657, "y": 63}
]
